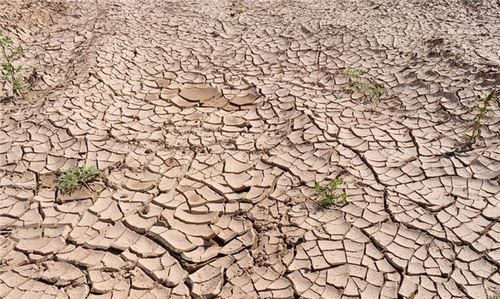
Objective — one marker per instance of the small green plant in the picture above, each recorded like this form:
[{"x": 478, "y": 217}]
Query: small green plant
[
  {"x": 72, "y": 179},
  {"x": 11, "y": 73},
  {"x": 484, "y": 105},
  {"x": 353, "y": 72},
  {"x": 329, "y": 194},
  {"x": 237, "y": 9},
  {"x": 495, "y": 296},
  {"x": 371, "y": 90}
]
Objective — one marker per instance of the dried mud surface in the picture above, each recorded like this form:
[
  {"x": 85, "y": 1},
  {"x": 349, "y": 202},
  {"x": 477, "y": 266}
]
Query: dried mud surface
[{"x": 212, "y": 120}]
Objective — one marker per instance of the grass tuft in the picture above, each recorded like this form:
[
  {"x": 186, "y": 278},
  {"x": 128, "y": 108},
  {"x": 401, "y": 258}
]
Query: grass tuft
[
  {"x": 329, "y": 193},
  {"x": 10, "y": 72},
  {"x": 474, "y": 132},
  {"x": 370, "y": 89},
  {"x": 72, "y": 179},
  {"x": 353, "y": 72},
  {"x": 495, "y": 296}
]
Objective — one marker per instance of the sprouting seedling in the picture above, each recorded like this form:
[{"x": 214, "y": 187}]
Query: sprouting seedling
[
  {"x": 474, "y": 132},
  {"x": 329, "y": 193},
  {"x": 11, "y": 73},
  {"x": 237, "y": 8},
  {"x": 353, "y": 72},
  {"x": 371, "y": 90},
  {"x": 495, "y": 296},
  {"x": 72, "y": 179}
]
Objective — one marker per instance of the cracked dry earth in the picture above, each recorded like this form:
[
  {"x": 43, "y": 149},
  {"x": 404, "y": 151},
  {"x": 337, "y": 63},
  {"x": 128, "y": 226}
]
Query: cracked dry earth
[{"x": 211, "y": 122}]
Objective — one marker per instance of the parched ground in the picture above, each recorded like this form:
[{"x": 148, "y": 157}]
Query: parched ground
[{"x": 212, "y": 121}]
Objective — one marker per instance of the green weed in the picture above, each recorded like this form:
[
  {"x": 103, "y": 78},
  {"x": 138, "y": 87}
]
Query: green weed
[
  {"x": 72, "y": 179},
  {"x": 484, "y": 105},
  {"x": 329, "y": 194},
  {"x": 10, "y": 72},
  {"x": 371, "y": 90},
  {"x": 236, "y": 9},
  {"x": 495, "y": 296},
  {"x": 353, "y": 72}
]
